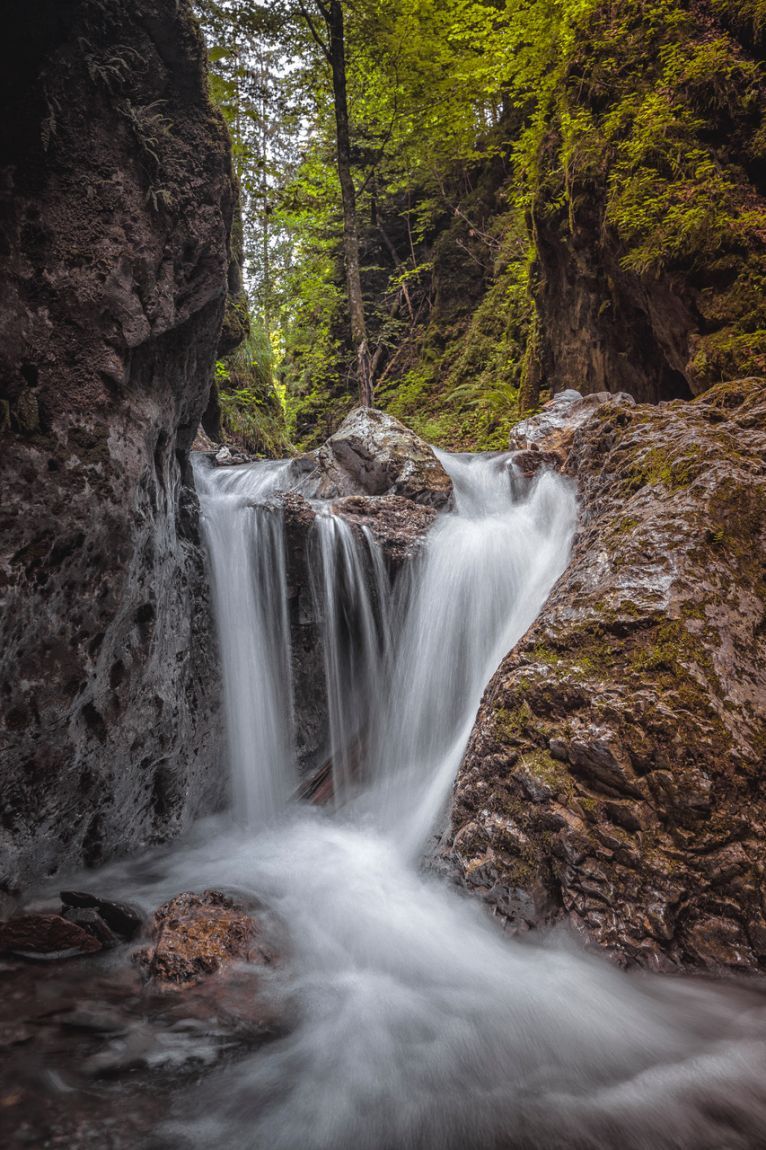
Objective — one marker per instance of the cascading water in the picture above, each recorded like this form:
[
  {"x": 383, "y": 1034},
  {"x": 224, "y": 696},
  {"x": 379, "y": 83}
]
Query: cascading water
[
  {"x": 245, "y": 543},
  {"x": 477, "y": 588},
  {"x": 414, "y": 1023},
  {"x": 351, "y": 598}
]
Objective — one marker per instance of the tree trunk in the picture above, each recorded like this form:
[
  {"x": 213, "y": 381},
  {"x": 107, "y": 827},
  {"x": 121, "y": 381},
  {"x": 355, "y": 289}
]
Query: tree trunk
[{"x": 333, "y": 14}]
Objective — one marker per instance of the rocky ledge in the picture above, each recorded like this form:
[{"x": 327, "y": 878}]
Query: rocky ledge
[{"x": 615, "y": 774}]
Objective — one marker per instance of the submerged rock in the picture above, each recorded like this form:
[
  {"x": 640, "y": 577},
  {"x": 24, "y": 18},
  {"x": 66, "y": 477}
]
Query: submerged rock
[
  {"x": 196, "y": 935},
  {"x": 615, "y": 774},
  {"x": 372, "y": 453}
]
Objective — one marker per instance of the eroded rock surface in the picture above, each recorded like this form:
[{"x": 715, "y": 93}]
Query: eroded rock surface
[
  {"x": 372, "y": 453},
  {"x": 196, "y": 935},
  {"x": 380, "y": 478},
  {"x": 116, "y": 206},
  {"x": 615, "y": 774}
]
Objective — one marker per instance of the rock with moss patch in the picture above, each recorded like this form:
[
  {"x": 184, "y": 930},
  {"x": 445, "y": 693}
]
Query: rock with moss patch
[{"x": 615, "y": 772}]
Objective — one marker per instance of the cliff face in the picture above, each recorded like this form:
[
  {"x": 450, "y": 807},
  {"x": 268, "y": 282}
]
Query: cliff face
[
  {"x": 615, "y": 775},
  {"x": 116, "y": 203},
  {"x": 649, "y": 204}
]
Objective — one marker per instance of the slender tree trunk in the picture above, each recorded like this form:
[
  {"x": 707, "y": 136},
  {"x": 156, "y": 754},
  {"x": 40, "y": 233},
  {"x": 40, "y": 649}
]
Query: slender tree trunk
[{"x": 333, "y": 13}]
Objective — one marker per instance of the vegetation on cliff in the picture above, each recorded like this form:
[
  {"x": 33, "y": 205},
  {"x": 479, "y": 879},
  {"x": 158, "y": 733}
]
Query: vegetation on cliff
[{"x": 549, "y": 193}]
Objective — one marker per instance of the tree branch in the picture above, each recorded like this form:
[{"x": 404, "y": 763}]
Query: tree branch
[{"x": 313, "y": 29}]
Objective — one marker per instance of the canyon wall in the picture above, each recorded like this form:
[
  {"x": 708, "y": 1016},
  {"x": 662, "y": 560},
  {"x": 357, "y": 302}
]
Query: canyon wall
[{"x": 115, "y": 211}]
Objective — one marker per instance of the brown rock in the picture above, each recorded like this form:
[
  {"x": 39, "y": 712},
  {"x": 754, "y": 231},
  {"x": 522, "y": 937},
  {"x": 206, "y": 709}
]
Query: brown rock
[
  {"x": 546, "y": 439},
  {"x": 623, "y": 740},
  {"x": 46, "y": 934},
  {"x": 195, "y": 936}
]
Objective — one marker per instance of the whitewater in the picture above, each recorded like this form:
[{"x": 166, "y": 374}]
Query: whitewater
[{"x": 412, "y": 1019}]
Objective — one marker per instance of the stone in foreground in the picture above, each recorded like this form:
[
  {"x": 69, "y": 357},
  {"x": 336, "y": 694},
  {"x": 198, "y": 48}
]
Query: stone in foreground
[
  {"x": 46, "y": 936},
  {"x": 195, "y": 936}
]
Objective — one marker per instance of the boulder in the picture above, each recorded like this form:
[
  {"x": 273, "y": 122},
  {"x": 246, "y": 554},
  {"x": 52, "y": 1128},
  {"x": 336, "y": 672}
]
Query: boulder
[
  {"x": 615, "y": 774},
  {"x": 372, "y": 453},
  {"x": 546, "y": 438},
  {"x": 195, "y": 936},
  {"x": 398, "y": 525},
  {"x": 46, "y": 936}
]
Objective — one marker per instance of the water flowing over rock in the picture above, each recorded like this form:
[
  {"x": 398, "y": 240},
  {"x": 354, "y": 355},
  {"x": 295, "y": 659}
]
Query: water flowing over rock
[
  {"x": 615, "y": 774},
  {"x": 117, "y": 202}
]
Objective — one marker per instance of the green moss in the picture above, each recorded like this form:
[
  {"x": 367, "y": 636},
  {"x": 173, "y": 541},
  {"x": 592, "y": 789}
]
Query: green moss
[{"x": 661, "y": 465}]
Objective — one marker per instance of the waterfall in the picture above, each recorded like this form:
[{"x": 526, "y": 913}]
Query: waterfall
[
  {"x": 413, "y": 1022},
  {"x": 351, "y": 594},
  {"x": 245, "y": 543},
  {"x": 475, "y": 590}
]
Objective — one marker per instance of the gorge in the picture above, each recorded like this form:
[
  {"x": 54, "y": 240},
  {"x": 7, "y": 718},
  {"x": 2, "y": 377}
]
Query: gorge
[{"x": 392, "y": 777}]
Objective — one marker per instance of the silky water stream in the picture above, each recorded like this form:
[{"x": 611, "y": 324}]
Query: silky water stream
[{"x": 413, "y": 1021}]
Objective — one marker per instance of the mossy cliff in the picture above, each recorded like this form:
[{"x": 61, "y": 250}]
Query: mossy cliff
[
  {"x": 117, "y": 204},
  {"x": 612, "y": 239},
  {"x": 615, "y": 775}
]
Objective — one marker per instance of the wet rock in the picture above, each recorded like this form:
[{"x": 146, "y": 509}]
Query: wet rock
[
  {"x": 89, "y": 919},
  {"x": 122, "y": 918},
  {"x": 230, "y": 457},
  {"x": 117, "y": 205},
  {"x": 46, "y": 935},
  {"x": 398, "y": 525},
  {"x": 372, "y": 453},
  {"x": 624, "y": 737},
  {"x": 195, "y": 936},
  {"x": 545, "y": 439},
  {"x": 8, "y": 905}
]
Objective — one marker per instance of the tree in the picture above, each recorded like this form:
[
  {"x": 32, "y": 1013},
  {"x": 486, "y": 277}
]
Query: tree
[{"x": 333, "y": 47}]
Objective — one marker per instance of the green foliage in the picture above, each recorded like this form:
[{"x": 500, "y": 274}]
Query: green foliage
[
  {"x": 639, "y": 125},
  {"x": 249, "y": 410}
]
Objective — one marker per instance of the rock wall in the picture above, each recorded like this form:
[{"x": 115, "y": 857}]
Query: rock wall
[
  {"x": 115, "y": 210},
  {"x": 615, "y": 774}
]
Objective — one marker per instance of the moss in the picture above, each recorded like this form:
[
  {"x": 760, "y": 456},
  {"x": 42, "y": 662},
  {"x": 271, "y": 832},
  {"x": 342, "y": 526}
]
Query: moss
[
  {"x": 250, "y": 413},
  {"x": 661, "y": 465},
  {"x": 510, "y": 725},
  {"x": 555, "y": 774}
]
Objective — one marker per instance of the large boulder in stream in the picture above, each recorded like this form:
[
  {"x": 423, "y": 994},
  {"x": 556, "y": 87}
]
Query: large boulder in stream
[
  {"x": 615, "y": 775},
  {"x": 372, "y": 453},
  {"x": 195, "y": 936},
  {"x": 117, "y": 201}
]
